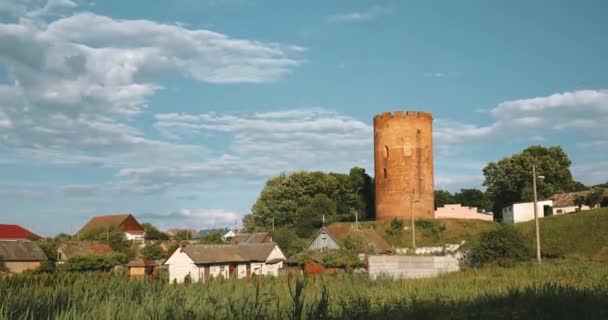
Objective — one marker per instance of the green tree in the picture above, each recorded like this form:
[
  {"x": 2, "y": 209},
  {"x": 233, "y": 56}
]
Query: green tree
[
  {"x": 396, "y": 228},
  {"x": 504, "y": 246},
  {"x": 473, "y": 198},
  {"x": 510, "y": 179},
  {"x": 579, "y": 201},
  {"x": 594, "y": 197},
  {"x": 153, "y": 251},
  {"x": 578, "y": 186},
  {"x": 443, "y": 197},
  {"x": 310, "y": 217},
  {"x": 288, "y": 241},
  {"x": 182, "y": 235},
  {"x": 212, "y": 238},
  {"x": 113, "y": 236},
  {"x": 347, "y": 255},
  {"x": 90, "y": 262},
  {"x": 152, "y": 233}
]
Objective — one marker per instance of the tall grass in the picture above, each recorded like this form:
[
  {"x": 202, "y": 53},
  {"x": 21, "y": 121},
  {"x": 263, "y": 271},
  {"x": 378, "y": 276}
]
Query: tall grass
[{"x": 551, "y": 291}]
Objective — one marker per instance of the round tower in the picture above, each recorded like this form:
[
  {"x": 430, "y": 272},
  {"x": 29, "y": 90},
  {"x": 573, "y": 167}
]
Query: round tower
[{"x": 403, "y": 165}]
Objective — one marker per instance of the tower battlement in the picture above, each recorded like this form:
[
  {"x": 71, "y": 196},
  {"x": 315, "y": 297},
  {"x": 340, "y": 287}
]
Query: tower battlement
[{"x": 385, "y": 116}]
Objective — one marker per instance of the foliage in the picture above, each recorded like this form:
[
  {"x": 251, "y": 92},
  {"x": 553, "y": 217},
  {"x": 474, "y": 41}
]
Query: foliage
[
  {"x": 2, "y": 265},
  {"x": 310, "y": 218},
  {"x": 152, "y": 233},
  {"x": 510, "y": 179},
  {"x": 549, "y": 291},
  {"x": 594, "y": 197},
  {"x": 473, "y": 198},
  {"x": 212, "y": 238},
  {"x": 396, "y": 228},
  {"x": 288, "y": 241},
  {"x": 443, "y": 197},
  {"x": 49, "y": 246},
  {"x": 432, "y": 228},
  {"x": 504, "y": 246},
  {"x": 579, "y": 186},
  {"x": 91, "y": 262},
  {"x": 347, "y": 255},
  {"x": 153, "y": 251},
  {"x": 114, "y": 236},
  {"x": 579, "y": 201},
  {"x": 283, "y": 196},
  {"x": 182, "y": 235}
]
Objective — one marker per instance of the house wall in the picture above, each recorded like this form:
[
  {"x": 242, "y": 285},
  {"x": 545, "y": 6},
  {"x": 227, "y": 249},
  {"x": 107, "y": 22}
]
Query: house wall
[
  {"x": 457, "y": 211},
  {"x": 180, "y": 265},
  {"x": 521, "y": 212},
  {"x": 241, "y": 271},
  {"x": 219, "y": 270},
  {"x": 322, "y": 241},
  {"x": 411, "y": 266},
  {"x": 257, "y": 268},
  {"x": 135, "y": 236},
  {"x": 20, "y": 266},
  {"x": 569, "y": 209},
  {"x": 272, "y": 269},
  {"x": 137, "y": 271}
]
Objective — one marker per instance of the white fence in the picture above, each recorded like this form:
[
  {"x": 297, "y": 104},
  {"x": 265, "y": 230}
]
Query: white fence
[{"x": 399, "y": 267}]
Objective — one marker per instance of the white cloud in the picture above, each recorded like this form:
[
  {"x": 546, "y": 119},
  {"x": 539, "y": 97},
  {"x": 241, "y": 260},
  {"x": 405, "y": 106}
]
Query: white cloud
[
  {"x": 194, "y": 218},
  {"x": 362, "y": 16}
]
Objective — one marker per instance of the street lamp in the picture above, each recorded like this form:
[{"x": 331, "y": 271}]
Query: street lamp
[
  {"x": 534, "y": 177},
  {"x": 413, "y": 223}
]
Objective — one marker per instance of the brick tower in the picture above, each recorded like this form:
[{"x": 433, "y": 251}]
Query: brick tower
[{"x": 403, "y": 165}]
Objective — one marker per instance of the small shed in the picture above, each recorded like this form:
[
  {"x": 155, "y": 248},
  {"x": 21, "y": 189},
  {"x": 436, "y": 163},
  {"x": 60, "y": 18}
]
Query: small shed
[
  {"x": 141, "y": 269},
  {"x": 21, "y": 255}
]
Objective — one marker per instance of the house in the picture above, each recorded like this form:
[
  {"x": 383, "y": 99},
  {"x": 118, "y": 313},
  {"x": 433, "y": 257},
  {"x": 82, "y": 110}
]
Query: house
[
  {"x": 524, "y": 211},
  {"x": 141, "y": 269},
  {"x": 251, "y": 238},
  {"x": 133, "y": 230},
  {"x": 201, "y": 262},
  {"x": 565, "y": 202},
  {"x": 21, "y": 255},
  {"x": 229, "y": 235},
  {"x": 329, "y": 237},
  {"x": 457, "y": 211},
  {"x": 69, "y": 250},
  {"x": 16, "y": 232}
]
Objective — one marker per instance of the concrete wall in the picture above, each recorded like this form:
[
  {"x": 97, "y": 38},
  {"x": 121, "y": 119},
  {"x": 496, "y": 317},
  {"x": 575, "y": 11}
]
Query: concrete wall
[
  {"x": 457, "y": 211},
  {"x": 521, "y": 212},
  {"x": 18, "y": 267},
  {"x": 403, "y": 162},
  {"x": 399, "y": 267}
]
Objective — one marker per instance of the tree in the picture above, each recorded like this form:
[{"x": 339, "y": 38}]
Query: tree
[
  {"x": 473, "y": 198},
  {"x": 504, "y": 246},
  {"x": 510, "y": 179},
  {"x": 310, "y": 217},
  {"x": 153, "y": 251},
  {"x": 212, "y": 238},
  {"x": 395, "y": 228},
  {"x": 443, "y": 197},
  {"x": 90, "y": 262},
  {"x": 182, "y": 235},
  {"x": 579, "y": 201},
  {"x": 152, "y": 233},
  {"x": 347, "y": 255},
  {"x": 113, "y": 236},
  {"x": 594, "y": 197},
  {"x": 578, "y": 186},
  {"x": 288, "y": 241}
]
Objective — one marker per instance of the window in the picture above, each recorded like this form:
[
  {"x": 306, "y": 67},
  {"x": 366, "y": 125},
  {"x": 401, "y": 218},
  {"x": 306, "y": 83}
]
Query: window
[
  {"x": 385, "y": 174},
  {"x": 385, "y": 152}
]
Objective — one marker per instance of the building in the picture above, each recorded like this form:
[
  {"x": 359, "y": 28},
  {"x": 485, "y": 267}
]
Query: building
[
  {"x": 403, "y": 165},
  {"x": 133, "y": 230},
  {"x": 201, "y": 262},
  {"x": 69, "y": 250},
  {"x": 524, "y": 211},
  {"x": 457, "y": 211},
  {"x": 21, "y": 255},
  {"x": 330, "y": 237},
  {"x": 141, "y": 269},
  {"x": 565, "y": 202},
  {"x": 16, "y": 232},
  {"x": 251, "y": 238}
]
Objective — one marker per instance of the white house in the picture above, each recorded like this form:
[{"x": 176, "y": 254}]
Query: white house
[
  {"x": 229, "y": 235},
  {"x": 524, "y": 211},
  {"x": 565, "y": 202},
  {"x": 202, "y": 262}
]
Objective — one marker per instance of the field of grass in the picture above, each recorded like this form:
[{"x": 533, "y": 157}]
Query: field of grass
[{"x": 567, "y": 290}]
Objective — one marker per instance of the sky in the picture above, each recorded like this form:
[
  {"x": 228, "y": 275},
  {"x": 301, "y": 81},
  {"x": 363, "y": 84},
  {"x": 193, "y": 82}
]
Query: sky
[{"x": 179, "y": 111}]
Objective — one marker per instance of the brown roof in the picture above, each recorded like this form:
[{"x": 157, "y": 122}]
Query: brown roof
[
  {"x": 21, "y": 250},
  {"x": 70, "y": 250},
  {"x": 567, "y": 199},
  {"x": 141, "y": 263},
  {"x": 110, "y": 221},
  {"x": 206, "y": 254},
  {"x": 339, "y": 231},
  {"x": 250, "y": 238}
]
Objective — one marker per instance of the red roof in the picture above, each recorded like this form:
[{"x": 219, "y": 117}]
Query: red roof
[{"x": 13, "y": 231}]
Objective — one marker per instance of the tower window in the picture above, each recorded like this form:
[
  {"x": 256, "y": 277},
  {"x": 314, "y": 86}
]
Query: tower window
[
  {"x": 385, "y": 152},
  {"x": 385, "y": 174}
]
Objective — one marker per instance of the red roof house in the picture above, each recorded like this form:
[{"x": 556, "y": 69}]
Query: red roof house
[
  {"x": 14, "y": 232},
  {"x": 133, "y": 230}
]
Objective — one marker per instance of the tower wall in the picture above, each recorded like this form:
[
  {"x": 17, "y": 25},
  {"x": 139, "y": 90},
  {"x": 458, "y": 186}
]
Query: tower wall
[{"x": 403, "y": 164}]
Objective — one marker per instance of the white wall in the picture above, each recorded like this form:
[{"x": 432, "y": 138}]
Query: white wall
[
  {"x": 323, "y": 241},
  {"x": 521, "y": 212},
  {"x": 241, "y": 271},
  {"x": 180, "y": 265},
  {"x": 569, "y": 209}
]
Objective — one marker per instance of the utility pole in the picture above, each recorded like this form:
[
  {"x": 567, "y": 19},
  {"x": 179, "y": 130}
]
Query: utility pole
[
  {"x": 413, "y": 222},
  {"x": 538, "y": 258}
]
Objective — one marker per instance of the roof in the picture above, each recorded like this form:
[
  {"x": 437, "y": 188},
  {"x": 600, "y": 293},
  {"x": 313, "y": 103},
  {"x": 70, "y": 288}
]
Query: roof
[
  {"x": 205, "y": 232},
  {"x": 109, "y": 221},
  {"x": 567, "y": 199},
  {"x": 141, "y": 263},
  {"x": 70, "y": 250},
  {"x": 13, "y": 231},
  {"x": 339, "y": 232},
  {"x": 250, "y": 238},
  {"x": 21, "y": 250},
  {"x": 206, "y": 254}
]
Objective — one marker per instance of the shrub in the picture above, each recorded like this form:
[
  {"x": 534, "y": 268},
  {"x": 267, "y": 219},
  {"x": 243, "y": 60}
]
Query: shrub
[
  {"x": 153, "y": 251},
  {"x": 395, "y": 228},
  {"x": 431, "y": 228},
  {"x": 504, "y": 246},
  {"x": 92, "y": 262}
]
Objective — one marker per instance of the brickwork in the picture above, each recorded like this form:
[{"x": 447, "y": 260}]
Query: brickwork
[{"x": 403, "y": 164}]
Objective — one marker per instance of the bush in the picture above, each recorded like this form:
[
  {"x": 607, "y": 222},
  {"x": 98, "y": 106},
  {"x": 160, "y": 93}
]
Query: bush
[
  {"x": 395, "y": 228},
  {"x": 93, "y": 262},
  {"x": 431, "y": 228},
  {"x": 504, "y": 246},
  {"x": 153, "y": 251}
]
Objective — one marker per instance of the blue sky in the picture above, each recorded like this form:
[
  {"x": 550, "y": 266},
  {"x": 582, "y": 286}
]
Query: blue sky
[{"x": 178, "y": 111}]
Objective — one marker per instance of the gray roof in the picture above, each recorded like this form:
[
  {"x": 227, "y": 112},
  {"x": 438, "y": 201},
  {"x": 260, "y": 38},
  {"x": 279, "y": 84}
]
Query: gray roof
[
  {"x": 206, "y": 254},
  {"x": 249, "y": 238},
  {"x": 73, "y": 249},
  {"x": 21, "y": 250}
]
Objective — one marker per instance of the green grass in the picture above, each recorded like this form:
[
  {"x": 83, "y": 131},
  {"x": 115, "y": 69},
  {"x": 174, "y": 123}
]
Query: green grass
[
  {"x": 564, "y": 290},
  {"x": 581, "y": 234}
]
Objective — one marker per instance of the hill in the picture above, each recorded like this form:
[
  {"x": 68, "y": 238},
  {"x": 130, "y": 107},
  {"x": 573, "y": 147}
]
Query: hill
[{"x": 583, "y": 234}]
